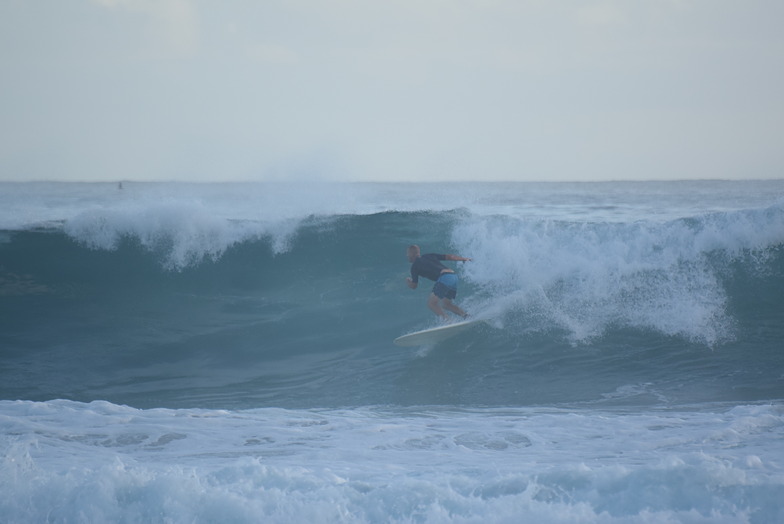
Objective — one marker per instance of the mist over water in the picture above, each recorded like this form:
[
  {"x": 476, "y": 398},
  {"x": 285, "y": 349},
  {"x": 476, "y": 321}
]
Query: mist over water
[{"x": 142, "y": 326}]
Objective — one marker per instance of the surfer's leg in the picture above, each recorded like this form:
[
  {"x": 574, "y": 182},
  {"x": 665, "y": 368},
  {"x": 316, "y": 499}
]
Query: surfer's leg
[
  {"x": 454, "y": 308},
  {"x": 432, "y": 303}
]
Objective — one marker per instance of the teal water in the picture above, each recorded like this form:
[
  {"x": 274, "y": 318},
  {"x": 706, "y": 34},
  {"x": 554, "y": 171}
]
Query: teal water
[{"x": 197, "y": 314}]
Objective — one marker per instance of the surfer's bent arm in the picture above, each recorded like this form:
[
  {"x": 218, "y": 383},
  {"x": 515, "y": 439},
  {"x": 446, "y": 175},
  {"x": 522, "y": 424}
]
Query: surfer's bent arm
[{"x": 457, "y": 258}]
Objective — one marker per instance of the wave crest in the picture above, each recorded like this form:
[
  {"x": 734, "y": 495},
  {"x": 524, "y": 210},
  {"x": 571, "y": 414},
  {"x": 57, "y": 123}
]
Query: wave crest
[
  {"x": 588, "y": 277},
  {"x": 182, "y": 234}
]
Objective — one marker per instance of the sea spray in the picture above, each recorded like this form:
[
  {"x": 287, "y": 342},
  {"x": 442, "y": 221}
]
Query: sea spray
[{"x": 586, "y": 277}]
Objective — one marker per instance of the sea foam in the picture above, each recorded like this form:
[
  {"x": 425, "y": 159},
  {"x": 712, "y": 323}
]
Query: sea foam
[{"x": 73, "y": 462}]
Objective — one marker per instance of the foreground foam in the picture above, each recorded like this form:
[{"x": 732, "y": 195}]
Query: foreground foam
[{"x": 67, "y": 461}]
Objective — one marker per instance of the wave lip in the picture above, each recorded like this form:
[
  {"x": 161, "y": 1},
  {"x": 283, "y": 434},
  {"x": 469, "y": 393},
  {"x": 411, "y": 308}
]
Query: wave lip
[{"x": 185, "y": 234}]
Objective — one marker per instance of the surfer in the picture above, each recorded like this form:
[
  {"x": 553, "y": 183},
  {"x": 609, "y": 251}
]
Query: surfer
[{"x": 445, "y": 288}]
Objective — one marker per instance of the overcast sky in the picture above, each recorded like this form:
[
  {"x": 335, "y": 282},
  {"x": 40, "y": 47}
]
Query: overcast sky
[{"x": 416, "y": 90}]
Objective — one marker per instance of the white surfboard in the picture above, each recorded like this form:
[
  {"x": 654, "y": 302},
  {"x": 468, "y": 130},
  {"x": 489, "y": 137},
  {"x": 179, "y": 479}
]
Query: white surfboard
[{"x": 433, "y": 335}]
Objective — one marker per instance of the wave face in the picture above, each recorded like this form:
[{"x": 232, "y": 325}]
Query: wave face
[
  {"x": 174, "y": 303},
  {"x": 213, "y": 353}
]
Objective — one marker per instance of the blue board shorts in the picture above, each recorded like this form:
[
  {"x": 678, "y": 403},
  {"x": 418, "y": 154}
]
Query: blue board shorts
[{"x": 446, "y": 286}]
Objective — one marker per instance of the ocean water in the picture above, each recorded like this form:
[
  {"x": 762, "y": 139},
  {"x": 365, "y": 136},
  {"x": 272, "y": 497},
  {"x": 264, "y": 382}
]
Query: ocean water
[{"x": 177, "y": 352}]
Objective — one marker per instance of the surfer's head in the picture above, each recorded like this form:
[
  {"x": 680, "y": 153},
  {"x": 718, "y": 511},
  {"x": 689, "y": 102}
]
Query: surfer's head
[{"x": 412, "y": 252}]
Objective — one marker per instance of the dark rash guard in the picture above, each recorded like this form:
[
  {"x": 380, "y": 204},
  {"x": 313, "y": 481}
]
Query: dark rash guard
[{"x": 427, "y": 266}]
